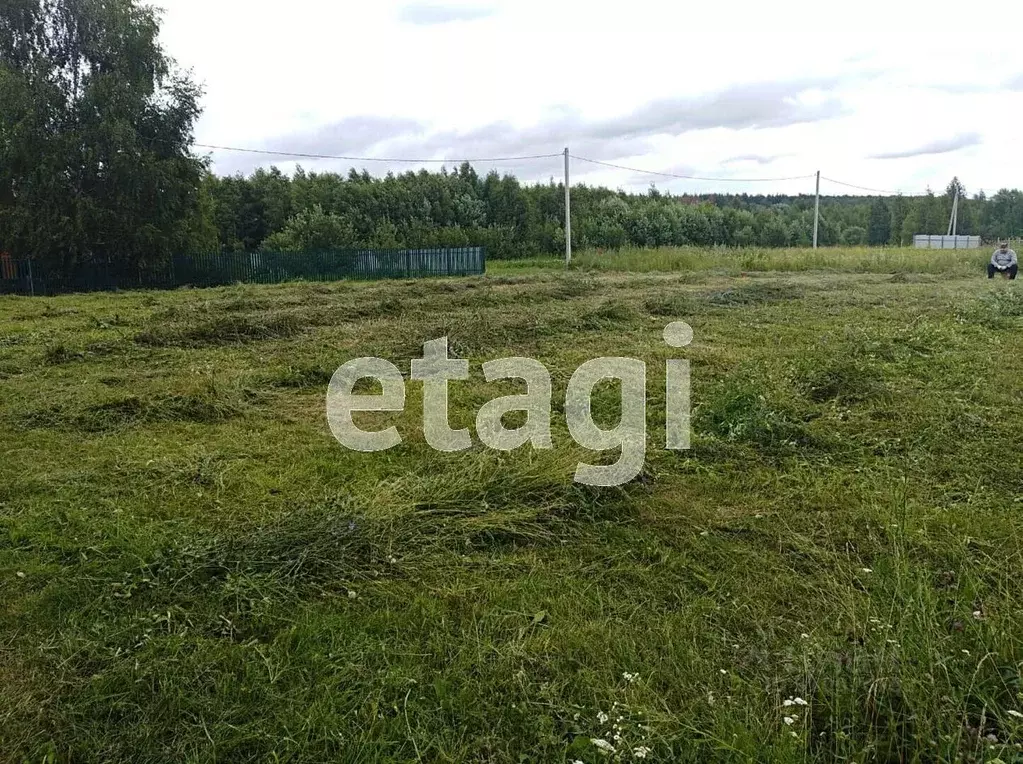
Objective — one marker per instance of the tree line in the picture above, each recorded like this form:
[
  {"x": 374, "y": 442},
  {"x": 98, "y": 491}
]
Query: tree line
[
  {"x": 97, "y": 122},
  {"x": 310, "y": 210}
]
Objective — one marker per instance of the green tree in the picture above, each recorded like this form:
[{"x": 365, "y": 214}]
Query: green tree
[
  {"x": 854, "y": 236},
  {"x": 955, "y": 187},
  {"x": 879, "y": 227},
  {"x": 273, "y": 192},
  {"x": 419, "y": 209},
  {"x": 95, "y": 128},
  {"x": 924, "y": 216},
  {"x": 899, "y": 207},
  {"x": 313, "y": 230},
  {"x": 1005, "y": 214}
]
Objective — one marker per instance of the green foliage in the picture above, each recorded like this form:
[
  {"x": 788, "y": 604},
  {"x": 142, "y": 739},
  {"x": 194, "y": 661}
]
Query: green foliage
[
  {"x": 740, "y": 410},
  {"x": 312, "y": 230},
  {"x": 963, "y": 262},
  {"x": 854, "y": 236},
  {"x": 96, "y": 126},
  {"x": 422, "y": 209},
  {"x": 879, "y": 228}
]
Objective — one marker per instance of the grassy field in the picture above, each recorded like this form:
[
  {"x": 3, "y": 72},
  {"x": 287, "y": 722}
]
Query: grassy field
[
  {"x": 191, "y": 568},
  {"x": 889, "y": 260}
]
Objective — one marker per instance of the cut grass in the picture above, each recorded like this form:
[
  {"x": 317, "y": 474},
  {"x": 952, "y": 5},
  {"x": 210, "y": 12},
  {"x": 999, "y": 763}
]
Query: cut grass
[{"x": 192, "y": 568}]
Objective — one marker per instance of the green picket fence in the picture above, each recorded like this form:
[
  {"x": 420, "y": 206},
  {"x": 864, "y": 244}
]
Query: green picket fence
[{"x": 31, "y": 278}]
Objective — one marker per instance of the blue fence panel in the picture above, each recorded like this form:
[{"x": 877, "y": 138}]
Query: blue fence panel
[{"x": 205, "y": 270}]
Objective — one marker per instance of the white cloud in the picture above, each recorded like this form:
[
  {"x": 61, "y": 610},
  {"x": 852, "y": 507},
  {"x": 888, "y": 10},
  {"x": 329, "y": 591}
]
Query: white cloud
[
  {"x": 941, "y": 146},
  {"x": 427, "y": 14},
  {"x": 652, "y": 84}
]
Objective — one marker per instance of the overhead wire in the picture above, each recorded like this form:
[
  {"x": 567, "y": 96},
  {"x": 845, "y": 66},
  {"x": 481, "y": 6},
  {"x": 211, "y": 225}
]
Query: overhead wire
[
  {"x": 305, "y": 155},
  {"x": 872, "y": 190},
  {"x": 527, "y": 157},
  {"x": 685, "y": 177}
]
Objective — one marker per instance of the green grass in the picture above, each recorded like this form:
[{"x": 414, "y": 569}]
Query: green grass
[
  {"x": 191, "y": 568},
  {"x": 841, "y": 259}
]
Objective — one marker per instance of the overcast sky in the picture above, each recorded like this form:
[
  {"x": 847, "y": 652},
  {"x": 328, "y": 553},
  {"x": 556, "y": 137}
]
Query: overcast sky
[{"x": 892, "y": 94}]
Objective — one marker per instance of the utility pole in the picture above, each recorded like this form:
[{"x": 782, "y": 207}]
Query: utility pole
[
  {"x": 568, "y": 214},
  {"x": 817, "y": 210},
  {"x": 953, "y": 223}
]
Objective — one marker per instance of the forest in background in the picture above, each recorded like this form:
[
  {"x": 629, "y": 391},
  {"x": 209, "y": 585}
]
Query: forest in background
[
  {"x": 97, "y": 165},
  {"x": 310, "y": 210}
]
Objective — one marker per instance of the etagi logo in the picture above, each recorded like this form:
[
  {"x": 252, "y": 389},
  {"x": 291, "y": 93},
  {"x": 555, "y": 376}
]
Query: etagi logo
[{"x": 435, "y": 369}]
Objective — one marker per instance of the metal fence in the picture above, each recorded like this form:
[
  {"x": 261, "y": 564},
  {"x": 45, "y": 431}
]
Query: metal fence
[
  {"x": 923, "y": 241},
  {"x": 32, "y": 278}
]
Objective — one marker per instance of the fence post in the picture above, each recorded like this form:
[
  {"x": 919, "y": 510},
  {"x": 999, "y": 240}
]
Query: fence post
[{"x": 31, "y": 281}]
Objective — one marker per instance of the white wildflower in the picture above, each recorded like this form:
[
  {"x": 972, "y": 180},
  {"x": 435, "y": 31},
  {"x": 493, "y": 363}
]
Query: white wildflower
[
  {"x": 641, "y": 752},
  {"x": 1017, "y": 714},
  {"x": 20, "y": 574},
  {"x": 789, "y": 720},
  {"x": 793, "y": 734},
  {"x": 992, "y": 738},
  {"x": 576, "y": 761},
  {"x": 804, "y": 636},
  {"x": 866, "y": 570},
  {"x": 800, "y": 702},
  {"x": 722, "y": 671},
  {"x": 602, "y": 745},
  {"x": 788, "y": 703},
  {"x": 602, "y": 717},
  {"x": 629, "y": 677},
  {"x": 977, "y": 614},
  {"x": 351, "y": 594}
]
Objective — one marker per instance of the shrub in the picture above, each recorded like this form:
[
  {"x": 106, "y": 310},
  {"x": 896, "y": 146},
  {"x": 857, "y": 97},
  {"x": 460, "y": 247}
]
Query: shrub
[{"x": 854, "y": 236}]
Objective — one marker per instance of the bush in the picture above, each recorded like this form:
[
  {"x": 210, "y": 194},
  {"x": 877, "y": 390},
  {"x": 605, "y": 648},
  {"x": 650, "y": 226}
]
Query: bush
[
  {"x": 854, "y": 236},
  {"x": 312, "y": 230}
]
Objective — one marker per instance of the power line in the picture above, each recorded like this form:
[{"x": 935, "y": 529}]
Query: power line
[
  {"x": 738, "y": 180},
  {"x": 401, "y": 160},
  {"x": 864, "y": 188},
  {"x": 303, "y": 155},
  {"x": 686, "y": 177}
]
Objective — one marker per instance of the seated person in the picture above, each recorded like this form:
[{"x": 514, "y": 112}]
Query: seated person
[{"x": 1003, "y": 261}]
